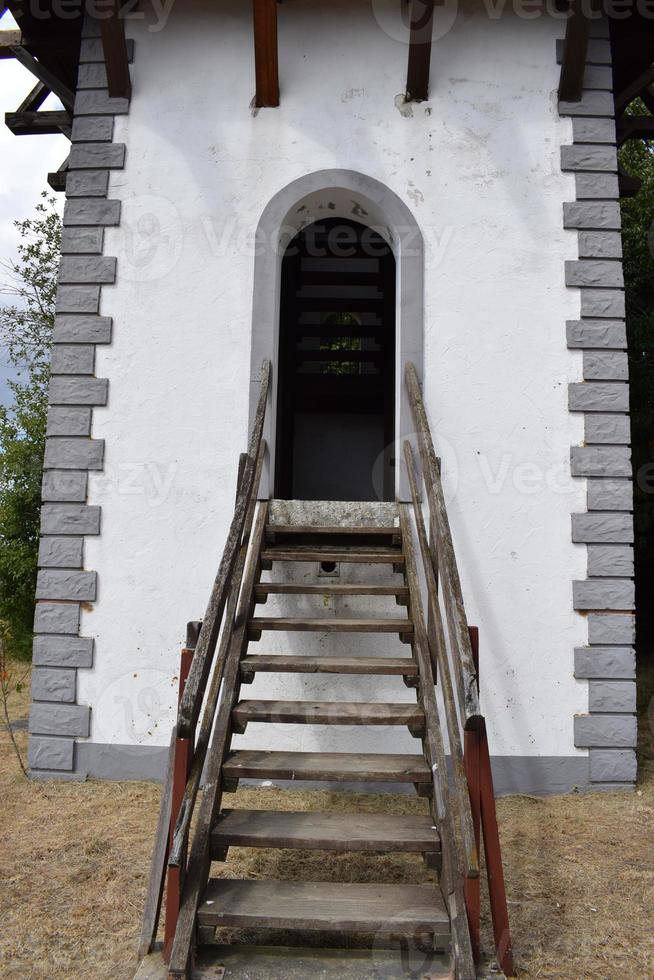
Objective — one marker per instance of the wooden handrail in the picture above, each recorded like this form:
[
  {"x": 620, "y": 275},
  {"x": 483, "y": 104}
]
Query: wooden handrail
[
  {"x": 464, "y": 668},
  {"x": 183, "y": 823},
  {"x": 452, "y": 879},
  {"x": 464, "y": 829},
  {"x": 191, "y": 703}
]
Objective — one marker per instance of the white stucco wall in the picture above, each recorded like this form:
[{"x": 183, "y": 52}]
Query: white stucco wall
[{"x": 478, "y": 165}]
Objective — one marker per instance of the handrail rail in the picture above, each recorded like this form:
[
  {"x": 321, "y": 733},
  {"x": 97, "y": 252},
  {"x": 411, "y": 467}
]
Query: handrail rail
[
  {"x": 191, "y": 702},
  {"x": 465, "y": 674},
  {"x": 464, "y": 834}
]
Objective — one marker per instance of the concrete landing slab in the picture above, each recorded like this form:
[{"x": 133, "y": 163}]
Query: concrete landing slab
[{"x": 340, "y": 513}]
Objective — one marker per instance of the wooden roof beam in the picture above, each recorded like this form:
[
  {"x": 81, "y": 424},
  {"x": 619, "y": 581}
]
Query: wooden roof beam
[
  {"x": 116, "y": 60},
  {"x": 266, "y": 67},
  {"x": 26, "y": 123},
  {"x": 575, "y": 47},
  {"x": 631, "y": 92},
  {"x": 421, "y": 31}
]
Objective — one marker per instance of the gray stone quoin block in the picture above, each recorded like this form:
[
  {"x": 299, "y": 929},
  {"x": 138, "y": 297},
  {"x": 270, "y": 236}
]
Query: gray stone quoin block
[
  {"x": 609, "y": 662},
  {"x": 57, "y": 617},
  {"x": 59, "y": 583},
  {"x": 54, "y": 684},
  {"x": 59, "y": 719},
  {"x": 63, "y": 651}
]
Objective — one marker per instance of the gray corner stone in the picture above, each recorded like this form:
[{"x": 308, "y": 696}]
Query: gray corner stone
[
  {"x": 60, "y": 719},
  {"x": 63, "y": 651},
  {"x": 91, "y": 26},
  {"x": 73, "y": 359},
  {"x": 593, "y": 396},
  {"x": 92, "y": 75},
  {"x": 606, "y": 334},
  {"x": 61, "y": 552},
  {"x": 87, "y": 183},
  {"x": 597, "y": 187},
  {"x": 602, "y": 528},
  {"x": 605, "y": 731},
  {"x": 599, "y": 77},
  {"x": 93, "y": 129},
  {"x": 74, "y": 454},
  {"x": 602, "y": 302},
  {"x": 614, "y": 430},
  {"x": 84, "y": 211},
  {"x": 618, "y": 628},
  {"x": 97, "y": 102},
  {"x": 68, "y": 420},
  {"x": 594, "y": 103},
  {"x": 590, "y": 130},
  {"x": 57, "y": 617},
  {"x": 604, "y": 593},
  {"x": 82, "y": 241},
  {"x": 102, "y": 156},
  {"x": 613, "y": 765},
  {"x": 612, "y": 696},
  {"x": 615, "y": 560},
  {"x": 610, "y": 495},
  {"x": 600, "y": 461},
  {"x": 77, "y": 299},
  {"x": 600, "y": 245},
  {"x": 64, "y": 486},
  {"x": 70, "y": 519},
  {"x": 592, "y": 216},
  {"x": 50, "y": 753},
  {"x": 606, "y": 366},
  {"x": 87, "y": 269},
  {"x": 82, "y": 329},
  {"x": 59, "y": 583},
  {"x": 587, "y": 157},
  {"x": 54, "y": 684},
  {"x": 594, "y": 272},
  {"x": 612, "y": 663},
  {"x": 78, "y": 391}
]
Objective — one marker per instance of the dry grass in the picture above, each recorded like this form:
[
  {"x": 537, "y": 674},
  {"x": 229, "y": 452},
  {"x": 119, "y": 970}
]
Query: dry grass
[{"x": 73, "y": 867}]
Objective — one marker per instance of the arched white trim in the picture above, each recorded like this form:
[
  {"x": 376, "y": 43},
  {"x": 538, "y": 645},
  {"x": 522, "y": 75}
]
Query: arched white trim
[{"x": 334, "y": 194}]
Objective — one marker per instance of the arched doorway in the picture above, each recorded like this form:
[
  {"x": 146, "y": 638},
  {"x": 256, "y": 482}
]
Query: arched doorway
[
  {"x": 351, "y": 197},
  {"x": 336, "y": 364}
]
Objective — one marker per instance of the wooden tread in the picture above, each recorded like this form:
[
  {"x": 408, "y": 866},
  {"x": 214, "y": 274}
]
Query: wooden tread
[
  {"x": 328, "y": 713},
  {"x": 264, "y": 589},
  {"x": 341, "y": 767},
  {"x": 325, "y": 625},
  {"x": 394, "y": 666},
  {"x": 325, "y": 553},
  {"x": 326, "y": 831},
  {"x": 335, "y": 529},
  {"x": 326, "y": 906}
]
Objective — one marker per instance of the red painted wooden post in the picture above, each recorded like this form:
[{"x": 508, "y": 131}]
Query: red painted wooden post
[
  {"x": 181, "y": 770},
  {"x": 472, "y": 886}
]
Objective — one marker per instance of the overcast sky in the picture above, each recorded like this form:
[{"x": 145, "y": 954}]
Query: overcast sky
[{"x": 25, "y": 162}]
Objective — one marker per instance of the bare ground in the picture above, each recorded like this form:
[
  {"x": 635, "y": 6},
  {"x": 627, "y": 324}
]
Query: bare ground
[{"x": 74, "y": 862}]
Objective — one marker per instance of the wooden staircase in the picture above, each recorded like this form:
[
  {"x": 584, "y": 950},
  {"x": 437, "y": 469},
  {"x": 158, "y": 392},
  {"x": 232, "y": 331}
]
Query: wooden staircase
[{"x": 274, "y": 560}]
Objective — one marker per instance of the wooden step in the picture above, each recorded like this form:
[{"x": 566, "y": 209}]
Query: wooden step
[
  {"x": 325, "y": 831},
  {"x": 334, "y": 529},
  {"x": 326, "y": 906},
  {"x": 328, "y": 713},
  {"x": 264, "y": 589},
  {"x": 326, "y": 625},
  {"x": 391, "y": 666},
  {"x": 363, "y": 555},
  {"x": 340, "y": 767}
]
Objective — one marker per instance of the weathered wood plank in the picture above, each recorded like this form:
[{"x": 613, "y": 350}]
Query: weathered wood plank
[
  {"x": 323, "y": 625},
  {"x": 398, "y": 666},
  {"x": 325, "y": 553},
  {"x": 264, "y": 589},
  {"x": 326, "y": 907},
  {"x": 114, "y": 46},
  {"x": 328, "y": 713},
  {"x": 335, "y": 766},
  {"x": 38, "y": 123},
  {"x": 326, "y": 831},
  {"x": 334, "y": 529}
]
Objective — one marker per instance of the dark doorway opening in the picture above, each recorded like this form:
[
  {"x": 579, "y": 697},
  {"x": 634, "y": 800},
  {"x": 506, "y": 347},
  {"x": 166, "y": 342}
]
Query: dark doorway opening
[{"x": 336, "y": 402}]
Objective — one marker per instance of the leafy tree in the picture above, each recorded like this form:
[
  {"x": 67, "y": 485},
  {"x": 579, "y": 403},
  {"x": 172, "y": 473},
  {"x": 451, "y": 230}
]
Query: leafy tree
[
  {"x": 26, "y": 332},
  {"x": 637, "y": 159}
]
